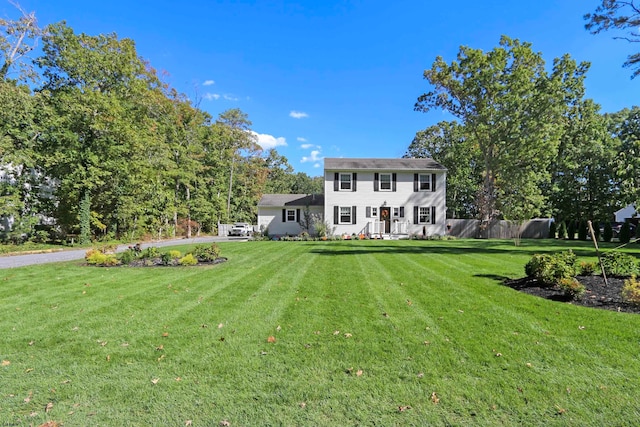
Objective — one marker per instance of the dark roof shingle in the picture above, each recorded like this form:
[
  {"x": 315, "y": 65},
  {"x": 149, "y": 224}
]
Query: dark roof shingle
[
  {"x": 382, "y": 164},
  {"x": 291, "y": 200}
]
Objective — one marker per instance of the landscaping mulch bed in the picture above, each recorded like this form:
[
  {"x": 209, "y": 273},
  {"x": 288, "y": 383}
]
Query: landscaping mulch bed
[
  {"x": 157, "y": 262},
  {"x": 597, "y": 294}
]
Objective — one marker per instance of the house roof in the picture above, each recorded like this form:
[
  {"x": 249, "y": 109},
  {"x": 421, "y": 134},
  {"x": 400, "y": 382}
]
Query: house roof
[
  {"x": 291, "y": 200},
  {"x": 382, "y": 164}
]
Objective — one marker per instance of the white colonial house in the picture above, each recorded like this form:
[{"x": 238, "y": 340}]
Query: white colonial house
[
  {"x": 288, "y": 214},
  {"x": 385, "y": 198}
]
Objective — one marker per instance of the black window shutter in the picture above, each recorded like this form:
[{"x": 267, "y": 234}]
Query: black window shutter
[
  {"x": 433, "y": 182},
  {"x": 415, "y": 214},
  {"x": 416, "y": 185},
  {"x": 336, "y": 212},
  {"x": 368, "y": 211},
  {"x": 394, "y": 178},
  {"x": 355, "y": 179},
  {"x": 336, "y": 181},
  {"x": 353, "y": 214},
  {"x": 284, "y": 215},
  {"x": 433, "y": 215},
  {"x": 376, "y": 179},
  {"x": 297, "y": 215},
  {"x": 401, "y": 211}
]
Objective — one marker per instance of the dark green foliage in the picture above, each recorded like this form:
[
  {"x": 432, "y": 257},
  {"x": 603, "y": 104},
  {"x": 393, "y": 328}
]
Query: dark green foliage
[
  {"x": 206, "y": 253},
  {"x": 553, "y": 229},
  {"x": 596, "y": 231},
  {"x": 562, "y": 230},
  {"x": 127, "y": 256},
  {"x": 619, "y": 264},
  {"x": 607, "y": 232},
  {"x": 625, "y": 233},
  {"x": 571, "y": 230},
  {"x": 582, "y": 230},
  {"x": 150, "y": 253},
  {"x": 550, "y": 268}
]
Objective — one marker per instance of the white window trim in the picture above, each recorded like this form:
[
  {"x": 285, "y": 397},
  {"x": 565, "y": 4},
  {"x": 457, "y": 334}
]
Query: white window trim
[
  {"x": 340, "y": 181},
  {"x": 390, "y": 182},
  {"x": 428, "y": 175},
  {"x": 374, "y": 212},
  {"x": 340, "y": 215},
  {"x": 428, "y": 215},
  {"x": 288, "y": 211}
]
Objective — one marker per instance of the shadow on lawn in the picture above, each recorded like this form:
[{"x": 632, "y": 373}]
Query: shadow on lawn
[{"x": 451, "y": 247}]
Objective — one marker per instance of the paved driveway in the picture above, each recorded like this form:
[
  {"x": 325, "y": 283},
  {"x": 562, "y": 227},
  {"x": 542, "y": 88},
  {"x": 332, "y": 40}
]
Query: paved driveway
[{"x": 11, "y": 261}]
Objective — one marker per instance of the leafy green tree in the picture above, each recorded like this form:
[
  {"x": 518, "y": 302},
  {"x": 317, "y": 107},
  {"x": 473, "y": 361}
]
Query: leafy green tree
[
  {"x": 624, "y": 126},
  {"x": 449, "y": 144},
  {"x": 607, "y": 232},
  {"x": 91, "y": 84},
  {"x": 618, "y": 15},
  {"x": 18, "y": 38},
  {"x": 511, "y": 108},
  {"x": 625, "y": 232}
]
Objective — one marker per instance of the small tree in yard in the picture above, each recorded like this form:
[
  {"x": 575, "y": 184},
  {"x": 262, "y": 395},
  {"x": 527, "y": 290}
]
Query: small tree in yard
[
  {"x": 625, "y": 232},
  {"x": 562, "y": 231},
  {"x": 582, "y": 230}
]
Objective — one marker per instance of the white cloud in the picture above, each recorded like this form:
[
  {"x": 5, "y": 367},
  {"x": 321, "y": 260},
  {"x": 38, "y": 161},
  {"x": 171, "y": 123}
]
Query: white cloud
[
  {"x": 317, "y": 165},
  {"x": 314, "y": 157},
  {"x": 208, "y": 83},
  {"x": 230, "y": 97},
  {"x": 306, "y": 146},
  {"x": 211, "y": 96},
  {"x": 298, "y": 115},
  {"x": 301, "y": 139},
  {"x": 269, "y": 141}
]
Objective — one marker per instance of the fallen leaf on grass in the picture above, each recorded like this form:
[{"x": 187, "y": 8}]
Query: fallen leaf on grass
[
  {"x": 48, "y": 407},
  {"x": 50, "y": 424},
  {"x": 188, "y": 423},
  {"x": 409, "y": 302},
  {"x": 6, "y": 363},
  {"x": 336, "y": 332},
  {"x": 421, "y": 374},
  {"x": 581, "y": 327},
  {"x": 28, "y": 398},
  {"x": 271, "y": 339},
  {"x": 178, "y": 379},
  {"x": 348, "y": 335},
  {"x": 434, "y": 398},
  {"x": 28, "y": 370},
  {"x": 108, "y": 358},
  {"x": 155, "y": 381},
  {"x": 165, "y": 334},
  {"x": 359, "y": 373},
  {"x": 33, "y": 414},
  {"x": 160, "y": 347},
  {"x": 203, "y": 326},
  {"x": 403, "y": 408},
  {"x": 220, "y": 325},
  {"x": 160, "y": 358},
  {"x": 385, "y": 314},
  {"x": 303, "y": 405},
  {"x": 278, "y": 328},
  {"x": 224, "y": 423},
  {"x": 31, "y": 343}
]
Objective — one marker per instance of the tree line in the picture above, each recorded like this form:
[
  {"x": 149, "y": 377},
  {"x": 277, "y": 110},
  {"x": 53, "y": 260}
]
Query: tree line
[
  {"x": 92, "y": 140},
  {"x": 524, "y": 141}
]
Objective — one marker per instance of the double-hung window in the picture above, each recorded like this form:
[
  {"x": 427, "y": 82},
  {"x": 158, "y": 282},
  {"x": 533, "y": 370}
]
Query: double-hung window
[
  {"x": 345, "y": 182},
  {"x": 291, "y": 215},
  {"x": 425, "y": 182},
  {"x": 345, "y": 215},
  {"x": 424, "y": 215},
  {"x": 385, "y": 182}
]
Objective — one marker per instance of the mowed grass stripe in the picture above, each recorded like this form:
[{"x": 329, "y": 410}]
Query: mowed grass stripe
[{"x": 550, "y": 371}]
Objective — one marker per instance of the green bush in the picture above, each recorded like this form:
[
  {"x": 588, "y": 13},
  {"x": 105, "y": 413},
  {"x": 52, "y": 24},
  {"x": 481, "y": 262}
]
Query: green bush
[
  {"x": 170, "y": 258},
  {"x": 150, "y": 253},
  {"x": 607, "y": 233},
  {"x": 98, "y": 258},
  {"x": 188, "y": 259},
  {"x": 625, "y": 233},
  {"x": 207, "y": 253},
  {"x": 587, "y": 268},
  {"x": 571, "y": 287},
  {"x": 631, "y": 290},
  {"x": 549, "y": 269},
  {"x": 553, "y": 229},
  {"x": 619, "y": 264},
  {"x": 571, "y": 230},
  {"x": 128, "y": 256}
]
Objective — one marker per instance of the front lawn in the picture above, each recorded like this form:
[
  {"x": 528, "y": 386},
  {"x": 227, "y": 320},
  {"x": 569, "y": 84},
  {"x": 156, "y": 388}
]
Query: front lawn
[{"x": 313, "y": 333}]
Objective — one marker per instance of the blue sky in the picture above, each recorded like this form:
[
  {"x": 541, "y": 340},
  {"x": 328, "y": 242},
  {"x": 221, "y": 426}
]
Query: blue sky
[{"x": 326, "y": 78}]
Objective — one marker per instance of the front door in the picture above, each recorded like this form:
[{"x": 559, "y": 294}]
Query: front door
[{"x": 385, "y": 216}]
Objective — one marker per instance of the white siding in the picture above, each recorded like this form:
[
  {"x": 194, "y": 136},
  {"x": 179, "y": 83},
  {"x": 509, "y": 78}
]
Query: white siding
[
  {"x": 404, "y": 196},
  {"x": 270, "y": 219}
]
